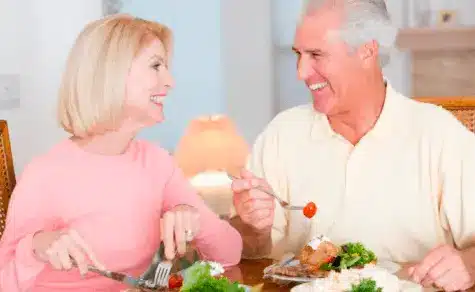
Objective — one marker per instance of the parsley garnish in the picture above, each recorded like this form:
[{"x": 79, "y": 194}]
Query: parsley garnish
[
  {"x": 366, "y": 285},
  {"x": 351, "y": 255}
]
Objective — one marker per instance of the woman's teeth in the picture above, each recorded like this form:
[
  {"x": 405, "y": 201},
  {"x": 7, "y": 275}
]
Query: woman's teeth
[
  {"x": 318, "y": 86},
  {"x": 157, "y": 99}
]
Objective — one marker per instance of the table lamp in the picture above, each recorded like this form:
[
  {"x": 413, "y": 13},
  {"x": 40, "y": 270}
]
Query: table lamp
[{"x": 210, "y": 148}]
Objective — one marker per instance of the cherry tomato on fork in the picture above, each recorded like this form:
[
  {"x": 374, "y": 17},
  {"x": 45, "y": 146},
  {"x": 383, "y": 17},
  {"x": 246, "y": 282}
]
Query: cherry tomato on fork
[{"x": 310, "y": 210}]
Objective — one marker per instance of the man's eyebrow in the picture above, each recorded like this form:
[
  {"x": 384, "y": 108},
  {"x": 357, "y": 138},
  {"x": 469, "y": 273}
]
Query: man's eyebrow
[{"x": 310, "y": 51}]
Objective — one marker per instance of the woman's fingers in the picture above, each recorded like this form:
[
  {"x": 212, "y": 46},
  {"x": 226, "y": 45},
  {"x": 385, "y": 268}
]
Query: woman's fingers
[
  {"x": 179, "y": 226},
  {"x": 78, "y": 256},
  {"x": 195, "y": 223},
  {"x": 180, "y": 236},
  {"x": 168, "y": 235},
  {"x": 53, "y": 258},
  {"x": 61, "y": 247},
  {"x": 79, "y": 241}
]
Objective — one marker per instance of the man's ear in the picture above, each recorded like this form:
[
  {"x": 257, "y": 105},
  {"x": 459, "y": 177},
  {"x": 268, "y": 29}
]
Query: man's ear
[{"x": 368, "y": 52}]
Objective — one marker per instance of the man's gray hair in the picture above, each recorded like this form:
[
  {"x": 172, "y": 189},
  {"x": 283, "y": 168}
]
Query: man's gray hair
[{"x": 365, "y": 21}]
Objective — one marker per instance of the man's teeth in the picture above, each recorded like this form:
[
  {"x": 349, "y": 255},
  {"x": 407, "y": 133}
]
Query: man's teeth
[
  {"x": 157, "y": 99},
  {"x": 317, "y": 86}
]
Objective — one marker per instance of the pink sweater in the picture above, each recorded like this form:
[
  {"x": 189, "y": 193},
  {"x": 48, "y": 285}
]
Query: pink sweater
[{"x": 114, "y": 203}]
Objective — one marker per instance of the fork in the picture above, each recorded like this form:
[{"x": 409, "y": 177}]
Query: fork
[
  {"x": 282, "y": 203},
  {"x": 162, "y": 272}
]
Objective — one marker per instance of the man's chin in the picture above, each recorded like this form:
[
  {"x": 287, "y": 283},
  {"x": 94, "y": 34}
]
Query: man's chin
[{"x": 322, "y": 107}]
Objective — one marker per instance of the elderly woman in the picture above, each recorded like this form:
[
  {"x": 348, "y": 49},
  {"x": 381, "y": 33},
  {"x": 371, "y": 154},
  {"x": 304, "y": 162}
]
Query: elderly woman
[{"x": 102, "y": 197}]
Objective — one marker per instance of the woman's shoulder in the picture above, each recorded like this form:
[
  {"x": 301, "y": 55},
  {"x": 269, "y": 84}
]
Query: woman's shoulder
[
  {"x": 45, "y": 164},
  {"x": 153, "y": 153},
  {"x": 153, "y": 148}
]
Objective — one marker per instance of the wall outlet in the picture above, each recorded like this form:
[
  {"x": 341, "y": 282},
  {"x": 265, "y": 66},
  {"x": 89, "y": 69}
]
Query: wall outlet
[{"x": 9, "y": 91}]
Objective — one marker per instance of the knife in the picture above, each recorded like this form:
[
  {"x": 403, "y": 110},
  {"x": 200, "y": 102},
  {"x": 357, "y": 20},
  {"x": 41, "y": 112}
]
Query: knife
[
  {"x": 116, "y": 276},
  {"x": 120, "y": 277}
]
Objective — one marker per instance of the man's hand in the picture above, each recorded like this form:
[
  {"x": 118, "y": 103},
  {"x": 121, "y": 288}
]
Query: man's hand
[
  {"x": 254, "y": 207},
  {"x": 445, "y": 268}
]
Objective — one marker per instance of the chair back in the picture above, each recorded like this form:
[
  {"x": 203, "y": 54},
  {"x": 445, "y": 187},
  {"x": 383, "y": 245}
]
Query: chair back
[
  {"x": 462, "y": 107},
  {"x": 7, "y": 174}
]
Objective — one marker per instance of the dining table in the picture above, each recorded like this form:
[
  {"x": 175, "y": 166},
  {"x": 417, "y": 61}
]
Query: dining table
[{"x": 250, "y": 272}]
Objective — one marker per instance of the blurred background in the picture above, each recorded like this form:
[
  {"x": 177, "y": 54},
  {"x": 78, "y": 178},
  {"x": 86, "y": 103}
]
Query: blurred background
[{"x": 231, "y": 58}]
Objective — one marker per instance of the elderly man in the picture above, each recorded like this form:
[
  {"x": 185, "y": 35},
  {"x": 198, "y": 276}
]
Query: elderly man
[{"x": 383, "y": 169}]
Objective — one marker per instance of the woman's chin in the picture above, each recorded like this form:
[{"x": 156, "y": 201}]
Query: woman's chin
[{"x": 155, "y": 118}]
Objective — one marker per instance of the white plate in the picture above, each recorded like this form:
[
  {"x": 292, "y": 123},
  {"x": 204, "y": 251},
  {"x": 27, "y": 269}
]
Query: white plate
[
  {"x": 391, "y": 267},
  {"x": 406, "y": 286}
]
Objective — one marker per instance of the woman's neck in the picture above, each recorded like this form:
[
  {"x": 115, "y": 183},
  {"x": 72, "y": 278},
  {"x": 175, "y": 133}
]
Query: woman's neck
[{"x": 110, "y": 143}]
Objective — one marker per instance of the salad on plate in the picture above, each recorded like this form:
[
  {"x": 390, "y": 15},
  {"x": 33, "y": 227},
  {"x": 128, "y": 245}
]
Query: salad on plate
[
  {"x": 350, "y": 267},
  {"x": 203, "y": 276}
]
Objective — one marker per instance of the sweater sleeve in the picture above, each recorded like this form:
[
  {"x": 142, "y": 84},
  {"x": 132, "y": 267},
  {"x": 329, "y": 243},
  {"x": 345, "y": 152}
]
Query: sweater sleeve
[
  {"x": 28, "y": 213},
  {"x": 217, "y": 240}
]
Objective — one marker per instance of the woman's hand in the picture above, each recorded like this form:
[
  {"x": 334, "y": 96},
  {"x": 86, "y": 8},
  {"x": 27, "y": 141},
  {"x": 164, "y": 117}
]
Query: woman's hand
[
  {"x": 60, "y": 247},
  {"x": 179, "y": 226}
]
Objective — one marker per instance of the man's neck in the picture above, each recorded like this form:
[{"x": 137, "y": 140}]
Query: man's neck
[{"x": 355, "y": 123}]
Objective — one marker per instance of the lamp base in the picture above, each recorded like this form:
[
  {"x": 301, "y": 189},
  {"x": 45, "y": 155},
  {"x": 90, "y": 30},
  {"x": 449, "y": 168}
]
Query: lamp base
[{"x": 215, "y": 189}]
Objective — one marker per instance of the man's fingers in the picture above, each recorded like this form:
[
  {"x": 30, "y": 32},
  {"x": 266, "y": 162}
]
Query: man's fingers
[
  {"x": 252, "y": 205},
  {"x": 263, "y": 223},
  {"x": 432, "y": 259},
  {"x": 260, "y": 215},
  {"x": 448, "y": 281},
  {"x": 168, "y": 235},
  {"x": 79, "y": 241},
  {"x": 258, "y": 218},
  {"x": 244, "y": 185},
  {"x": 436, "y": 272}
]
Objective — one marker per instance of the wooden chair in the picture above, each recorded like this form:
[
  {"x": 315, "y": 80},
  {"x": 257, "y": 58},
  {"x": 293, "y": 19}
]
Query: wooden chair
[
  {"x": 7, "y": 175},
  {"x": 462, "y": 107}
]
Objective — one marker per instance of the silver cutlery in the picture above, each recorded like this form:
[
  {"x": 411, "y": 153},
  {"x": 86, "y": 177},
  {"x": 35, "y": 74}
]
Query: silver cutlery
[
  {"x": 160, "y": 269},
  {"x": 282, "y": 203},
  {"x": 120, "y": 277},
  {"x": 162, "y": 273}
]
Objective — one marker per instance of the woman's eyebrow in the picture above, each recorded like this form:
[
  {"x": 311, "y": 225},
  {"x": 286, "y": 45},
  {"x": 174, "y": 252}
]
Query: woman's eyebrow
[{"x": 157, "y": 58}]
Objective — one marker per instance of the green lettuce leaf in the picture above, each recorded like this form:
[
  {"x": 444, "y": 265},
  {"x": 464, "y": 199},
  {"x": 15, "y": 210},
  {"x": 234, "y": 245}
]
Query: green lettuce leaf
[{"x": 198, "y": 279}]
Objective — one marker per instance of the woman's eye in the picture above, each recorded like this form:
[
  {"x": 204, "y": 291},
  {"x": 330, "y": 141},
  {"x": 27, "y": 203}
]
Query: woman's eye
[{"x": 157, "y": 66}]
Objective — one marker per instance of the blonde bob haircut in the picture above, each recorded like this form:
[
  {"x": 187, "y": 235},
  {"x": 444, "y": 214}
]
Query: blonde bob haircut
[{"x": 92, "y": 90}]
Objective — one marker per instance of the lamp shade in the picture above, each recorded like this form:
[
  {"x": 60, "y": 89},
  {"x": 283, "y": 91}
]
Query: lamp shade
[{"x": 211, "y": 143}]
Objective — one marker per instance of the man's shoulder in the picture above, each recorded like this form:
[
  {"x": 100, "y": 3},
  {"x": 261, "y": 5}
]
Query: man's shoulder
[
  {"x": 288, "y": 125},
  {"x": 429, "y": 121},
  {"x": 431, "y": 116},
  {"x": 298, "y": 115}
]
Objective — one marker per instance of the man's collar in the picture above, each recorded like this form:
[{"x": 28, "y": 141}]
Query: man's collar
[{"x": 384, "y": 127}]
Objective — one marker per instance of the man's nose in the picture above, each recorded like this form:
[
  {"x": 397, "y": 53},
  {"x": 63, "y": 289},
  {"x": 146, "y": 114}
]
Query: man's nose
[{"x": 304, "y": 68}]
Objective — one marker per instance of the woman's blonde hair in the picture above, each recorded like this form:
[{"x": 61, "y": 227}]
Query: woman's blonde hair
[{"x": 92, "y": 90}]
